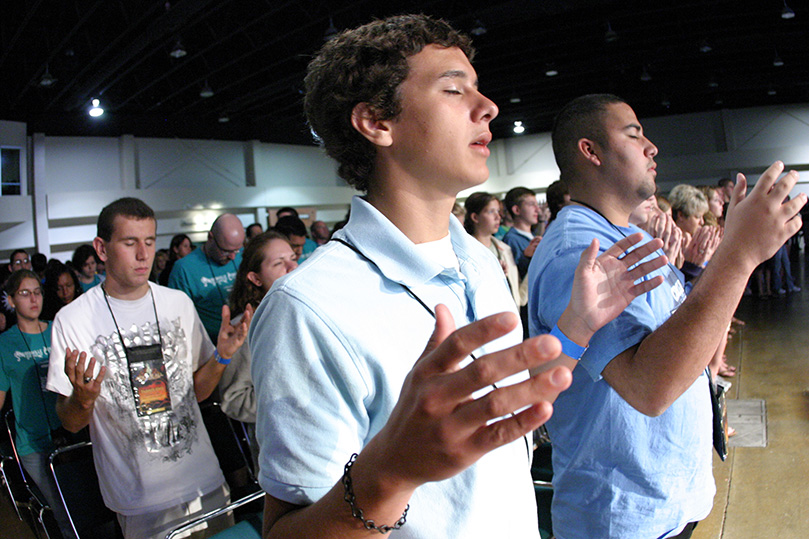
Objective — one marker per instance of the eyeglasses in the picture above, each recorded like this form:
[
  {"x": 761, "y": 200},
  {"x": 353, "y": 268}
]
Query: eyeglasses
[
  {"x": 226, "y": 251},
  {"x": 25, "y": 292},
  {"x": 21, "y": 262}
]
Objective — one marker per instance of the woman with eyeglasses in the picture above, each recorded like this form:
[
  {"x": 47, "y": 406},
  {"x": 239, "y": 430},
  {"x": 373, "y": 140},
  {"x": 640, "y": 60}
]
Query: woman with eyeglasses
[
  {"x": 61, "y": 286},
  {"x": 24, "y": 353}
]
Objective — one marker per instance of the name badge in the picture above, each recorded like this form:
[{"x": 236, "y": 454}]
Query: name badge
[{"x": 147, "y": 375}]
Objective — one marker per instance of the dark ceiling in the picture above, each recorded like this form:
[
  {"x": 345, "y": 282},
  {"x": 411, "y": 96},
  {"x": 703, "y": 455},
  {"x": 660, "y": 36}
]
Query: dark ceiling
[{"x": 698, "y": 54}]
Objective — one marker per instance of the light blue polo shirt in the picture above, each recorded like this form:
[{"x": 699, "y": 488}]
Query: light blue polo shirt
[
  {"x": 618, "y": 473},
  {"x": 332, "y": 343}
]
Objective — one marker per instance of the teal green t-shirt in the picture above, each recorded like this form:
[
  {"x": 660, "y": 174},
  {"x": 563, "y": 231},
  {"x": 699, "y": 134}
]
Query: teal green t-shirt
[
  {"x": 207, "y": 284},
  {"x": 24, "y": 370}
]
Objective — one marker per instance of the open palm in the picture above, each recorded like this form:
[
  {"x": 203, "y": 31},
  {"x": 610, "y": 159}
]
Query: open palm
[{"x": 604, "y": 286}]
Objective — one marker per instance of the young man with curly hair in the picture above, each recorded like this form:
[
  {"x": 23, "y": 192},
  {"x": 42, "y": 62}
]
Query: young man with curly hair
[{"x": 371, "y": 414}]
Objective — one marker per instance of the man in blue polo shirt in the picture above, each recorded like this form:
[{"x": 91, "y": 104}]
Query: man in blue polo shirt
[{"x": 632, "y": 435}]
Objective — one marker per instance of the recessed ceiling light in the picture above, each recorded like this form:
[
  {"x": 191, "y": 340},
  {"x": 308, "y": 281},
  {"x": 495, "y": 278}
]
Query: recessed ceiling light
[{"x": 519, "y": 128}]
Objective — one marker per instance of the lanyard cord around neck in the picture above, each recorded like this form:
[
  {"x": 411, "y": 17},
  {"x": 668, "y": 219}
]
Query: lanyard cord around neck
[
  {"x": 114, "y": 321},
  {"x": 215, "y": 282},
  {"x": 31, "y": 355},
  {"x": 421, "y": 302}
]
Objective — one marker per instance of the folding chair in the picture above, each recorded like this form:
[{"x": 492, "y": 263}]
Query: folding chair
[
  {"x": 24, "y": 494},
  {"x": 235, "y": 462},
  {"x": 75, "y": 475},
  {"x": 248, "y": 528}
]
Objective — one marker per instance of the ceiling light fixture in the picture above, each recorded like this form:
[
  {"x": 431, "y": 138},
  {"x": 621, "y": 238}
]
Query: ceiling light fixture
[
  {"x": 519, "y": 128},
  {"x": 178, "y": 51},
  {"x": 206, "y": 91},
  {"x": 787, "y": 12},
  {"x": 551, "y": 70},
  {"x": 47, "y": 79},
  {"x": 777, "y": 61},
  {"x": 713, "y": 83},
  {"x": 645, "y": 76},
  {"x": 515, "y": 99},
  {"x": 96, "y": 110},
  {"x": 223, "y": 118},
  {"x": 771, "y": 91},
  {"x": 478, "y": 29},
  {"x": 610, "y": 36}
]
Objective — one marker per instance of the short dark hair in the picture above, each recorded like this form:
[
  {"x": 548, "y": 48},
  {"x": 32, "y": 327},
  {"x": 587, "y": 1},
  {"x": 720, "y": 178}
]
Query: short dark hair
[
  {"x": 39, "y": 262},
  {"x": 81, "y": 254},
  {"x": 724, "y": 182},
  {"x": 249, "y": 234},
  {"x": 17, "y": 252},
  {"x": 475, "y": 204},
  {"x": 515, "y": 196},
  {"x": 555, "y": 195},
  {"x": 581, "y": 118},
  {"x": 367, "y": 65},
  {"x": 289, "y": 225},
  {"x": 287, "y": 209},
  {"x": 128, "y": 207}
]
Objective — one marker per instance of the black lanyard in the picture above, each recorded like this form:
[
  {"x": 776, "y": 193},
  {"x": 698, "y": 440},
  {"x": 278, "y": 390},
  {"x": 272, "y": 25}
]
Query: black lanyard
[
  {"x": 157, "y": 321},
  {"x": 34, "y": 362},
  {"x": 421, "y": 302},
  {"x": 215, "y": 282}
]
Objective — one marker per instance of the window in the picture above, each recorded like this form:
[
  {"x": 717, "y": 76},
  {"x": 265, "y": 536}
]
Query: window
[{"x": 11, "y": 179}]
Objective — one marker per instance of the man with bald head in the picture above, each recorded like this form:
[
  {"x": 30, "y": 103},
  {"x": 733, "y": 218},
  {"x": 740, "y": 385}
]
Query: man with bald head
[{"x": 207, "y": 274}]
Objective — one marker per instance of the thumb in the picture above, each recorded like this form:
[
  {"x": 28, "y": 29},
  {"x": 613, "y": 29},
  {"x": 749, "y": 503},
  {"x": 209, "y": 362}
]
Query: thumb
[
  {"x": 739, "y": 191},
  {"x": 444, "y": 326},
  {"x": 225, "y": 316}
]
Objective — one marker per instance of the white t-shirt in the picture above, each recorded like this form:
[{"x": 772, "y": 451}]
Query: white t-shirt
[{"x": 148, "y": 461}]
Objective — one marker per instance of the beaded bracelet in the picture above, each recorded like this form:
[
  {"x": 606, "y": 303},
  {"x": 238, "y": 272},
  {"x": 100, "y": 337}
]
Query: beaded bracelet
[
  {"x": 356, "y": 512},
  {"x": 569, "y": 348},
  {"x": 219, "y": 359}
]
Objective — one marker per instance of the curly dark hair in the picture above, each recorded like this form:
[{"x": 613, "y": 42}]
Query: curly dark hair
[
  {"x": 367, "y": 65},
  {"x": 244, "y": 292}
]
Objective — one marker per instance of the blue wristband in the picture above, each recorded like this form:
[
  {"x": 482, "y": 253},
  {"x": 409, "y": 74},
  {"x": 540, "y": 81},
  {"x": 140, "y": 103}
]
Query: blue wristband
[
  {"x": 569, "y": 348},
  {"x": 220, "y": 359}
]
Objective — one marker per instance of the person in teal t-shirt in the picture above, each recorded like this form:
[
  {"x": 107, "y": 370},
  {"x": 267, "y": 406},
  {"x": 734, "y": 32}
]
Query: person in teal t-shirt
[
  {"x": 24, "y": 354},
  {"x": 207, "y": 274}
]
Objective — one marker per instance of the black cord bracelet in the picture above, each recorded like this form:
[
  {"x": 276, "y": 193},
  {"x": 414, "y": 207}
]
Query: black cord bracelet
[{"x": 356, "y": 512}]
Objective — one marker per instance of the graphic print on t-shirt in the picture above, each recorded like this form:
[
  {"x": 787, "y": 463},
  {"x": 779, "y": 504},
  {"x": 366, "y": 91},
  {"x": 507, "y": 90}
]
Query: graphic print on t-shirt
[{"x": 165, "y": 435}]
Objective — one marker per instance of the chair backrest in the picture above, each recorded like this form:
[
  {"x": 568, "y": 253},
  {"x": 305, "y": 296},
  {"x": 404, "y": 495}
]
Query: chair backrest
[
  {"x": 76, "y": 480},
  {"x": 233, "y": 460}
]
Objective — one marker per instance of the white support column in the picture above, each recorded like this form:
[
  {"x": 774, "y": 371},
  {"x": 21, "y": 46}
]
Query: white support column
[{"x": 39, "y": 182}]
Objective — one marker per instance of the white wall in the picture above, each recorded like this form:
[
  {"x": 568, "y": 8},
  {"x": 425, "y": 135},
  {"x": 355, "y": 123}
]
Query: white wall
[{"x": 189, "y": 182}]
